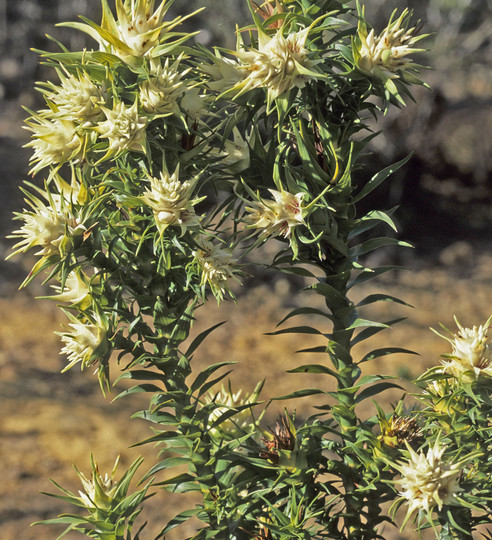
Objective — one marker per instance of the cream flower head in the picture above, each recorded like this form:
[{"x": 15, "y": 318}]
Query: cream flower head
[
  {"x": 170, "y": 200},
  {"x": 136, "y": 32},
  {"x": 278, "y": 216},
  {"x": 427, "y": 480},
  {"x": 124, "y": 128},
  {"x": 218, "y": 266},
  {"x": 279, "y": 64},
  {"x": 384, "y": 55},
  {"x": 55, "y": 140},
  {"x": 238, "y": 424},
  {"x": 100, "y": 490},
  {"x": 472, "y": 353},
  {"x": 83, "y": 340},
  {"x": 77, "y": 98},
  {"x": 49, "y": 226},
  {"x": 161, "y": 92}
]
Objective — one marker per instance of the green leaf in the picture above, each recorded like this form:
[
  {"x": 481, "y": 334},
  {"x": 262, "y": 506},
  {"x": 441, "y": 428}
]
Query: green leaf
[
  {"x": 300, "y": 393},
  {"x": 380, "y": 177},
  {"x": 360, "y": 323},
  {"x": 378, "y": 353},
  {"x": 369, "y": 332},
  {"x": 177, "y": 520},
  {"x": 304, "y": 311},
  {"x": 314, "y": 368},
  {"x": 200, "y": 338},
  {"x": 375, "y": 389},
  {"x": 370, "y": 299},
  {"x": 375, "y": 243},
  {"x": 204, "y": 375}
]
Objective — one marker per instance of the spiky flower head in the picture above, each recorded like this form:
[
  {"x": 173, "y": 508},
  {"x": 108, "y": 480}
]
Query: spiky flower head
[
  {"x": 77, "y": 98},
  {"x": 282, "y": 446},
  {"x": 226, "y": 400},
  {"x": 471, "y": 357},
  {"x": 50, "y": 226},
  {"x": 400, "y": 429},
  {"x": 99, "y": 491},
  {"x": 55, "y": 140},
  {"x": 385, "y": 56},
  {"x": 76, "y": 290},
  {"x": 278, "y": 216},
  {"x": 427, "y": 480},
  {"x": 278, "y": 64},
  {"x": 85, "y": 340},
  {"x": 136, "y": 32},
  {"x": 218, "y": 266},
  {"x": 124, "y": 128},
  {"x": 161, "y": 92},
  {"x": 170, "y": 199}
]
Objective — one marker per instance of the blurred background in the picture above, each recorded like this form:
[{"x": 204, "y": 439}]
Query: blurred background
[{"x": 51, "y": 420}]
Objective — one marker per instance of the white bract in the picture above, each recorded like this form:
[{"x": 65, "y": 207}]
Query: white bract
[
  {"x": 278, "y": 216},
  {"x": 54, "y": 140},
  {"x": 171, "y": 202},
  {"x": 83, "y": 340},
  {"x": 218, "y": 266},
  {"x": 124, "y": 128},
  {"x": 472, "y": 353},
  {"x": 427, "y": 480}
]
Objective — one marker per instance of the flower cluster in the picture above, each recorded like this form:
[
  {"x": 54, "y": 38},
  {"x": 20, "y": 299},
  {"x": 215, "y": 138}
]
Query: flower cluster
[
  {"x": 385, "y": 56},
  {"x": 225, "y": 400},
  {"x": 85, "y": 340},
  {"x": 170, "y": 200},
  {"x": 278, "y": 216},
  {"x": 99, "y": 492},
  {"x": 217, "y": 266},
  {"x": 471, "y": 357},
  {"x": 427, "y": 480}
]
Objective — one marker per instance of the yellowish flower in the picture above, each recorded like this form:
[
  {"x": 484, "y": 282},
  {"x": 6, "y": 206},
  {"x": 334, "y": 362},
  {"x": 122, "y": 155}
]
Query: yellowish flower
[
  {"x": 50, "y": 226},
  {"x": 85, "y": 341},
  {"x": 427, "y": 480},
  {"x": 99, "y": 491},
  {"x": 236, "y": 425},
  {"x": 279, "y": 64},
  {"x": 170, "y": 200},
  {"x": 276, "y": 217},
  {"x": 385, "y": 55},
  {"x": 136, "y": 32},
  {"x": 160, "y": 94},
  {"x": 76, "y": 290},
  {"x": 78, "y": 98},
  {"x": 55, "y": 140},
  {"x": 472, "y": 353},
  {"x": 218, "y": 267},
  {"x": 124, "y": 128}
]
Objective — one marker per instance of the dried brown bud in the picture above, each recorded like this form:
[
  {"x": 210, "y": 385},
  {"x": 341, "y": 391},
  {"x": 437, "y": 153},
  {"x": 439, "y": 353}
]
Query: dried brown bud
[{"x": 281, "y": 438}]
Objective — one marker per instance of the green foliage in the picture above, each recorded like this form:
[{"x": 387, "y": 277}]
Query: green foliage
[{"x": 165, "y": 164}]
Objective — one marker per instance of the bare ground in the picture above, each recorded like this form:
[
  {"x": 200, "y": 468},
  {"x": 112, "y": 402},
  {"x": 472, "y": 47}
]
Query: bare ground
[{"x": 52, "y": 420}]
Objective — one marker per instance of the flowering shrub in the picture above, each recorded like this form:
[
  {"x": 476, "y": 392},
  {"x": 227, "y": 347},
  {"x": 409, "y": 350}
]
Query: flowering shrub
[{"x": 163, "y": 164}]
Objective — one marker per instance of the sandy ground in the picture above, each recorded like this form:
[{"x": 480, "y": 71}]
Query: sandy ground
[{"x": 52, "y": 420}]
